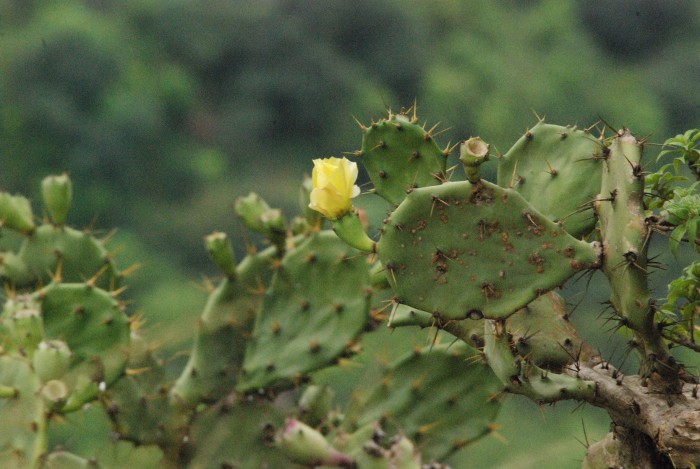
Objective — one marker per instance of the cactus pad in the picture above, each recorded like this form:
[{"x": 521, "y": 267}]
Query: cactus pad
[
  {"x": 95, "y": 328},
  {"x": 22, "y": 415},
  {"x": 227, "y": 320},
  {"x": 400, "y": 155},
  {"x": 556, "y": 169},
  {"x": 464, "y": 250},
  {"x": 317, "y": 304},
  {"x": 542, "y": 332},
  {"x": 237, "y": 433},
  {"x": 442, "y": 399}
]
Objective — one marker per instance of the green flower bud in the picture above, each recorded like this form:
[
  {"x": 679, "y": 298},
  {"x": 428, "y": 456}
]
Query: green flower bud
[
  {"x": 16, "y": 213},
  {"x": 304, "y": 445},
  {"x": 221, "y": 252},
  {"x": 57, "y": 192},
  {"x": 51, "y": 360},
  {"x": 250, "y": 208}
]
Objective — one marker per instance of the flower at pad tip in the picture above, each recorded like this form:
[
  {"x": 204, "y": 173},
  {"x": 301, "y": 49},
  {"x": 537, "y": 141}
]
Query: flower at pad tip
[{"x": 333, "y": 186}]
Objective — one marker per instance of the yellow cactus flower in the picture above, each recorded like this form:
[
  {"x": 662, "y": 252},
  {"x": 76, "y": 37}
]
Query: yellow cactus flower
[{"x": 333, "y": 186}]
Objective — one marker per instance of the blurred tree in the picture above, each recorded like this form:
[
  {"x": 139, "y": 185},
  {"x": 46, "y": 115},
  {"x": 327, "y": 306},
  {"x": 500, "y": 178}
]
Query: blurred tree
[{"x": 638, "y": 29}]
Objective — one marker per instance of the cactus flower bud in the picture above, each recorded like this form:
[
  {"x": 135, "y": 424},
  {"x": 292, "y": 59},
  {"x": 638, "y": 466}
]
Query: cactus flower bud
[
  {"x": 250, "y": 208},
  {"x": 16, "y": 213},
  {"x": 51, "y": 360},
  {"x": 333, "y": 186},
  {"x": 221, "y": 252},
  {"x": 57, "y": 192},
  {"x": 304, "y": 445}
]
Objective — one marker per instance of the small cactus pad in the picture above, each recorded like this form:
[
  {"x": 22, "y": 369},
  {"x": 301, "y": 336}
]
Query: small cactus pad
[
  {"x": 463, "y": 250},
  {"x": 317, "y": 304},
  {"x": 21, "y": 414},
  {"x": 442, "y": 399},
  {"x": 558, "y": 170},
  {"x": 520, "y": 376},
  {"x": 542, "y": 332},
  {"x": 400, "y": 155},
  {"x": 95, "y": 328},
  {"x": 236, "y": 434},
  {"x": 221, "y": 334}
]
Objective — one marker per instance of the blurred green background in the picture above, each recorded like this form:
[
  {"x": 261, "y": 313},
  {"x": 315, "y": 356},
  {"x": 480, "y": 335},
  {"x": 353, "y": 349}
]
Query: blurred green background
[{"x": 164, "y": 111}]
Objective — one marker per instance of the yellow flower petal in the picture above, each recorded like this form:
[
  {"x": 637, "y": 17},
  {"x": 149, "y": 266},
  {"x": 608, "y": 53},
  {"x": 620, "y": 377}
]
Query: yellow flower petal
[{"x": 333, "y": 186}]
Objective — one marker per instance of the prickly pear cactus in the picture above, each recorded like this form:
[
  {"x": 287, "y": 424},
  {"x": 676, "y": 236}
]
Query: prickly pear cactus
[
  {"x": 238, "y": 432},
  {"x": 464, "y": 250},
  {"x": 401, "y": 155},
  {"x": 317, "y": 304},
  {"x": 475, "y": 262},
  {"x": 228, "y": 317},
  {"x": 558, "y": 170},
  {"x": 64, "y": 333},
  {"x": 428, "y": 394}
]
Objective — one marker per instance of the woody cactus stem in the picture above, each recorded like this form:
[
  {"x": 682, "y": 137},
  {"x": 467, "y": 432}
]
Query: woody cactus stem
[{"x": 625, "y": 242}]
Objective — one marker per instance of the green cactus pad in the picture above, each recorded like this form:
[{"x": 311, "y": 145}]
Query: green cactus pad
[
  {"x": 400, "y": 155},
  {"x": 96, "y": 330},
  {"x": 226, "y": 322},
  {"x": 21, "y": 416},
  {"x": 138, "y": 404},
  {"x": 542, "y": 332},
  {"x": 79, "y": 255},
  {"x": 462, "y": 251},
  {"x": 556, "y": 169},
  {"x": 237, "y": 433},
  {"x": 442, "y": 399},
  {"x": 317, "y": 304},
  {"x": 520, "y": 376}
]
